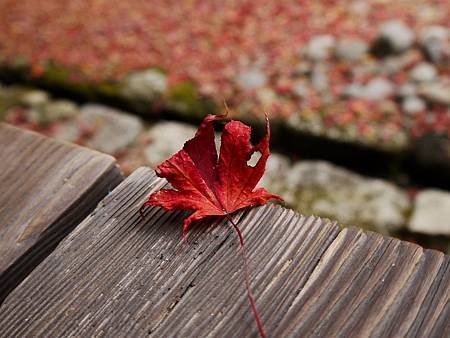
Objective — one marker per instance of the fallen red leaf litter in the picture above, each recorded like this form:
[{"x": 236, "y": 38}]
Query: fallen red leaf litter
[
  {"x": 210, "y": 43},
  {"x": 215, "y": 184}
]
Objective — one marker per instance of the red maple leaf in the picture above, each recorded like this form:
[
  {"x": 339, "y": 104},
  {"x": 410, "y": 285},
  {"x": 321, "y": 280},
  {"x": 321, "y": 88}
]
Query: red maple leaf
[{"x": 215, "y": 185}]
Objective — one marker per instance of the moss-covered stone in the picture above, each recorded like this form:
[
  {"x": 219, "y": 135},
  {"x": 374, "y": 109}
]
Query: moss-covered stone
[{"x": 184, "y": 99}]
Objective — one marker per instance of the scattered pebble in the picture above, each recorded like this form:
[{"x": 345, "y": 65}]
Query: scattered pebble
[
  {"x": 431, "y": 213},
  {"x": 251, "y": 79},
  {"x": 34, "y": 98},
  {"x": 166, "y": 138},
  {"x": 144, "y": 85},
  {"x": 397, "y": 36},
  {"x": 320, "y": 47},
  {"x": 434, "y": 40},
  {"x": 436, "y": 92},
  {"x": 407, "y": 89},
  {"x": 112, "y": 130},
  {"x": 413, "y": 105},
  {"x": 351, "y": 49},
  {"x": 423, "y": 72},
  {"x": 378, "y": 89},
  {"x": 323, "y": 189}
]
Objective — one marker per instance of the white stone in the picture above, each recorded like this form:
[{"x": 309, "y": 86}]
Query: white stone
[
  {"x": 166, "y": 138},
  {"x": 320, "y": 47},
  {"x": 431, "y": 213},
  {"x": 144, "y": 85},
  {"x": 68, "y": 131},
  {"x": 319, "y": 77},
  {"x": 51, "y": 111},
  {"x": 413, "y": 104},
  {"x": 301, "y": 88},
  {"x": 59, "y": 109},
  {"x": 251, "y": 79},
  {"x": 321, "y": 188},
  {"x": 266, "y": 96},
  {"x": 378, "y": 88},
  {"x": 407, "y": 89},
  {"x": 423, "y": 72},
  {"x": 34, "y": 98},
  {"x": 303, "y": 68},
  {"x": 393, "y": 64},
  {"x": 351, "y": 49},
  {"x": 436, "y": 92},
  {"x": 354, "y": 90},
  {"x": 434, "y": 40},
  {"x": 433, "y": 33},
  {"x": 113, "y": 130},
  {"x": 386, "y": 204},
  {"x": 397, "y": 34},
  {"x": 277, "y": 167}
]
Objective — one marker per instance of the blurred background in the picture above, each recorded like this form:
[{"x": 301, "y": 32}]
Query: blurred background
[{"x": 358, "y": 93}]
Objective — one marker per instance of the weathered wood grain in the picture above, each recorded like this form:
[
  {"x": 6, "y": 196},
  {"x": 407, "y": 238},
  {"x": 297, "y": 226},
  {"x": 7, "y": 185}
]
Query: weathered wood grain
[
  {"x": 367, "y": 285},
  {"x": 46, "y": 188},
  {"x": 117, "y": 275}
]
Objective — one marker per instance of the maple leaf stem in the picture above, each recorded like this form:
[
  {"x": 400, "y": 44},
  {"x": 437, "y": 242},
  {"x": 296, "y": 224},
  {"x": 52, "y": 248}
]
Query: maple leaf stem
[{"x": 247, "y": 278}]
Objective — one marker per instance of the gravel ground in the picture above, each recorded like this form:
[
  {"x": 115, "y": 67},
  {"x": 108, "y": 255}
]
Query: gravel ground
[{"x": 370, "y": 71}]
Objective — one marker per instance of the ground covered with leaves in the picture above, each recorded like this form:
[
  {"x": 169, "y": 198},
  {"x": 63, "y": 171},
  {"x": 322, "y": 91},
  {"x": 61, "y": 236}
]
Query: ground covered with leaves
[{"x": 315, "y": 64}]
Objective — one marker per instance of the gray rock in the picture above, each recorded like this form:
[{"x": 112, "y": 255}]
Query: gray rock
[
  {"x": 407, "y": 89},
  {"x": 433, "y": 33},
  {"x": 266, "y": 96},
  {"x": 113, "y": 130},
  {"x": 319, "y": 77},
  {"x": 277, "y": 167},
  {"x": 393, "y": 64},
  {"x": 302, "y": 68},
  {"x": 59, "y": 109},
  {"x": 434, "y": 42},
  {"x": 68, "y": 131},
  {"x": 10, "y": 96},
  {"x": 144, "y": 85},
  {"x": 436, "y": 92},
  {"x": 431, "y": 213},
  {"x": 423, "y": 72},
  {"x": 378, "y": 89},
  {"x": 354, "y": 90},
  {"x": 34, "y": 98},
  {"x": 51, "y": 111},
  {"x": 301, "y": 88},
  {"x": 396, "y": 36},
  {"x": 166, "y": 139},
  {"x": 351, "y": 49},
  {"x": 320, "y": 188},
  {"x": 320, "y": 47},
  {"x": 365, "y": 69},
  {"x": 413, "y": 104},
  {"x": 251, "y": 79},
  {"x": 35, "y": 116}
]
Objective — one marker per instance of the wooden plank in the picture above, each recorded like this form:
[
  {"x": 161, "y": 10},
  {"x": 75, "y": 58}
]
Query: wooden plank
[
  {"x": 116, "y": 275},
  {"x": 433, "y": 319},
  {"x": 368, "y": 285},
  {"x": 47, "y": 188}
]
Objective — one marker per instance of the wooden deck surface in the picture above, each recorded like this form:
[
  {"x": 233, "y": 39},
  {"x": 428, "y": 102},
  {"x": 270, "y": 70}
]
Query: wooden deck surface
[
  {"x": 116, "y": 275},
  {"x": 46, "y": 189}
]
